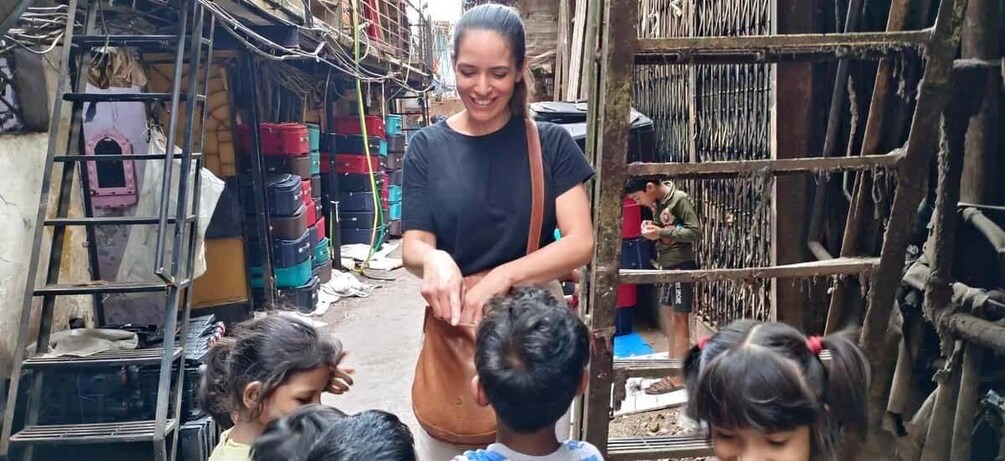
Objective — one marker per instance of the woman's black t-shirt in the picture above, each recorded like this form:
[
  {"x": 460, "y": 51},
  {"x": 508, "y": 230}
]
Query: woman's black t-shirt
[{"x": 474, "y": 192}]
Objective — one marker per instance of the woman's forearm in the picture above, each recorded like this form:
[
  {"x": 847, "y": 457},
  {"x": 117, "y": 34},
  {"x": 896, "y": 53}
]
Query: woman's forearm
[
  {"x": 414, "y": 252},
  {"x": 551, "y": 262}
]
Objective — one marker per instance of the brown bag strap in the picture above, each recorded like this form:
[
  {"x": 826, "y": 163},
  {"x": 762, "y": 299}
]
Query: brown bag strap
[{"x": 536, "y": 187}]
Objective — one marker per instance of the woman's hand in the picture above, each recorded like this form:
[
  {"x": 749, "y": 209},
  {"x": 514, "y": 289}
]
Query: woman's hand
[
  {"x": 442, "y": 285},
  {"x": 341, "y": 376},
  {"x": 496, "y": 282}
]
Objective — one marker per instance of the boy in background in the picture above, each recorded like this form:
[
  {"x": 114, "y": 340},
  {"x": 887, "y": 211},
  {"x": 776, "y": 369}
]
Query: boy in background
[{"x": 674, "y": 230}]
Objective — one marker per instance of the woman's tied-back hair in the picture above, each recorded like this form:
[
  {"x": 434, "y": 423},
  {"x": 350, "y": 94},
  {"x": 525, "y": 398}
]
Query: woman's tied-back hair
[
  {"x": 268, "y": 350},
  {"x": 506, "y": 22},
  {"x": 768, "y": 377}
]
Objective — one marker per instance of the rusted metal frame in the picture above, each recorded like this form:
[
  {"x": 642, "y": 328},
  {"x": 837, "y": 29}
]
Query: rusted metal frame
[
  {"x": 612, "y": 82},
  {"x": 990, "y": 335},
  {"x": 843, "y": 266},
  {"x": 940, "y": 431},
  {"x": 966, "y": 406},
  {"x": 932, "y": 96},
  {"x": 773, "y": 48},
  {"x": 771, "y": 166},
  {"x": 860, "y": 208}
]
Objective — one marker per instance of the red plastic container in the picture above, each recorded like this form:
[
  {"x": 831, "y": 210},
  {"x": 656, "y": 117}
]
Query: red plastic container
[
  {"x": 631, "y": 219},
  {"x": 322, "y": 229},
  {"x": 627, "y": 295},
  {"x": 312, "y": 215},
  {"x": 305, "y": 187},
  {"x": 345, "y": 163},
  {"x": 350, "y": 125},
  {"x": 279, "y": 139}
]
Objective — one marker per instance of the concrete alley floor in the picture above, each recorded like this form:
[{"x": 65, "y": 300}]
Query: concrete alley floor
[{"x": 382, "y": 333}]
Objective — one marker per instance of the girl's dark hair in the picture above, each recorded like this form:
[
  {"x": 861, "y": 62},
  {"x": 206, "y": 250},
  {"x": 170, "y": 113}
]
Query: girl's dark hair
[
  {"x": 268, "y": 350},
  {"x": 506, "y": 22},
  {"x": 763, "y": 376},
  {"x": 319, "y": 433}
]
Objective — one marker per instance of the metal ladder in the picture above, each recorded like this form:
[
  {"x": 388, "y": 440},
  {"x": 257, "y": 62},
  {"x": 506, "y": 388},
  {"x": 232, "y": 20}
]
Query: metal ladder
[
  {"x": 192, "y": 44},
  {"x": 611, "y": 89}
]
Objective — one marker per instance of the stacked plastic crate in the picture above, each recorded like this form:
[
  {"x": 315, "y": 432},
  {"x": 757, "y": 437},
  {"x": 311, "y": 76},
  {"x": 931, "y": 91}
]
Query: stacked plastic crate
[
  {"x": 395, "y": 159},
  {"x": 292, "y": 215},
  {"x": 636, "y": 253},
  {"x": 362, "y": 212},
  {"x": 322, "y": 265}
]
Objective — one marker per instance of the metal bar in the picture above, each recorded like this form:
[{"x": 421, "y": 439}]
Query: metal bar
[
  {"x": 11, "y": 12},
  {"x": 770, "y": 166},
  {"x": 102, "y": 287},
  {"x": 84, "y": 434},
  {"x": 861, "y": 206},
  {"x": 92, "y": 243},
  {"x": 773, "y": 48},
  {"x": 24, "y": 333},
  {"x": 115, "y": 157},
  {"x": 612, "y": 84},
  {"x": 167, "y": 176},
  {"x": 194, "y": 225},
  {"x": 673, "y": 446},
  {"x": 258, "y": 178},
  {"x": 841, "y": 266},
  {"x": 932, "y": 96},
  {"x": 81, "y": 97},
  {"x": 976, "y": 330},
  {"x": 181, "y": 209},
  {"x": 124, "y": 40},
  {"x": 92, "y": 221}
]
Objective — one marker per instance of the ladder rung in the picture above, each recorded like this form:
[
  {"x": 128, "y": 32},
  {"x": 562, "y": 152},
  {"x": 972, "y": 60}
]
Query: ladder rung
[
  {"x": 839, "y": 266},
  {"x": 95, "y": 41},
  {"x": 120, "y": 97},
  {"x": 117, "y": 157},
  {"x": 103, "y": 287},
  {"x": 82, "y": 434},
  {"x": 658, "y": 368},
  {"x": 104, "y": 359},
  {"x": 673, "y": 447},
  {"x": 773, "y": 166},
  {"x": 771, "y": 48},
  {"x": 112, "y": 221}
]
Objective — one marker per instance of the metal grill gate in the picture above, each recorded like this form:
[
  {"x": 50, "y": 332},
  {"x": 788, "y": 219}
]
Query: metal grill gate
[{"x": 716, "y": 112}]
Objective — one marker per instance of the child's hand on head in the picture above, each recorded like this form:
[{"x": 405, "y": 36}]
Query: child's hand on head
[{"x": 341, "y": 376}]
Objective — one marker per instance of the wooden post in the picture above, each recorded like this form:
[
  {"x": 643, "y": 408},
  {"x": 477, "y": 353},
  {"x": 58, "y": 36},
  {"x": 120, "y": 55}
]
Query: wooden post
[
  {"x": 921, "y": 143},
  {"x": 983, "y": 165},
  {"x": 608, "y": 141},
  {"x": 794, "y": 107},
  {"x": 562, "y": 59},
  {"x": 966, "y": 404}
]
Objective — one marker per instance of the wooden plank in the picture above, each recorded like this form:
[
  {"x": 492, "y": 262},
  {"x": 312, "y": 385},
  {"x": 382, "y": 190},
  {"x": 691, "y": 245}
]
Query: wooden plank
[
  {"x": 876, "y": 130},
  {"x": 576, "y": 51},
  {"x": 769, "y": 166},
  {"x": 773, "y": 48},
  {"x": 607, "y": 134},
  {"x": 840, "y": 266},
  {"x": 921, "y": 145},
  {"x": 562, "y": 60}
]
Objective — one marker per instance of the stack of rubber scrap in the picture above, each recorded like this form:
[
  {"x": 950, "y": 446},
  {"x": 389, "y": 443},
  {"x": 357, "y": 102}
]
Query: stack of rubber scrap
[
  {"x": 292, "y": 216},
  {"x": 363, "y": 189},
  {"x": 636, "y": 253},
  {"x": 395, "y": 160}
]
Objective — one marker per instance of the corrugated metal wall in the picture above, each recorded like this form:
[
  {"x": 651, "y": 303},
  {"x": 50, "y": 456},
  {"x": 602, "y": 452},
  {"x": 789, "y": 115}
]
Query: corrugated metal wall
[{"x": 714, "y": 113}]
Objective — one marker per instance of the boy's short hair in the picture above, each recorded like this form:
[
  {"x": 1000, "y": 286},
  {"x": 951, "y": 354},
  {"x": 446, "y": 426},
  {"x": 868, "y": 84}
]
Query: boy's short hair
[
  {"x": 633, "y": 185},
  {"x": 531, "y": 353},
  {"x": 319, "y": 433}
]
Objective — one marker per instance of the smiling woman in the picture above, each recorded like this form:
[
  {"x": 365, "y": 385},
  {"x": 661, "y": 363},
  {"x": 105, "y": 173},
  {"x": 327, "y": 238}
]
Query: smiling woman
[{"x": 473, "y": 186}]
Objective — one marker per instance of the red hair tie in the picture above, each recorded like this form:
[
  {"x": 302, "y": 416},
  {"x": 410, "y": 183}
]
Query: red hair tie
[
  {"x": 815, "y": 344},
  {"x": 702, "y": 342}
]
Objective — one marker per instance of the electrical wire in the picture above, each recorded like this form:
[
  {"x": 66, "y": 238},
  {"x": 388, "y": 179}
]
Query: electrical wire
[{"x": 378, "y": 214}]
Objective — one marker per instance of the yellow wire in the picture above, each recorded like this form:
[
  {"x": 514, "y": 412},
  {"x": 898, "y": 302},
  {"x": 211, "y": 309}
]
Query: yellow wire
[{"x": 375, "y": 194}]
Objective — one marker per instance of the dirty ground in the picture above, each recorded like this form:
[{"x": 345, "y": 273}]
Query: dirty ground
[{"x": 383, "y": 333}]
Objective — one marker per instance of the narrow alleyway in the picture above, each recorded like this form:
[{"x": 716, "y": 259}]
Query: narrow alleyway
[{"x": 382, "y": 333}]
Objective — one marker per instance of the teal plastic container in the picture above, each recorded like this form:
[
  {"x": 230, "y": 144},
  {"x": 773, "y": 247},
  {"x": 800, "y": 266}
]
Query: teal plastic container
[
  {"x": 383, "y": 148},
  {"x": 395, "y": 211},
  {"x": 286, "y": 277},
  {"x": 315, "y": 162},
  {"x": 322, "y": 253},
  {"x": 392, "y": 125},
  {"x": 393, "y": 193},
  {"x": 314, "y": 137}
]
